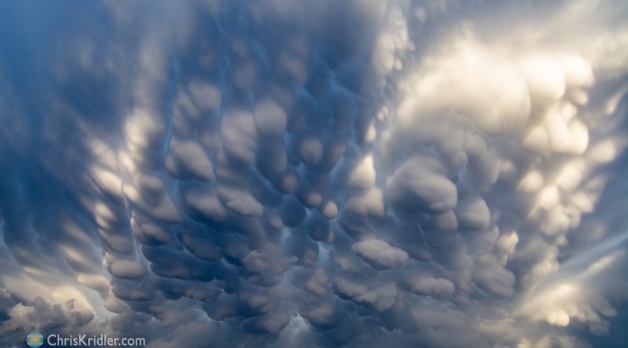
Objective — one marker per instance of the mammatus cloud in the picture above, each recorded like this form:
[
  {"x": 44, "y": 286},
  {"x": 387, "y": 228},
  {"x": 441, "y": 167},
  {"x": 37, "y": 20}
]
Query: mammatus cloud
[{"x": 286, "y": 173}]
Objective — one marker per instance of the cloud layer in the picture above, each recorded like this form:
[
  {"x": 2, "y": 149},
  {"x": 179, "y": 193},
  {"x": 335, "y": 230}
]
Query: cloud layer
[{"x": 292, "y": 173}]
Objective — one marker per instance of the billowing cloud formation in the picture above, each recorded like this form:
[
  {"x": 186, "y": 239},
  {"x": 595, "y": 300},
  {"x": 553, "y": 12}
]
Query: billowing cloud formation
[{"x": 294, "y": 173}]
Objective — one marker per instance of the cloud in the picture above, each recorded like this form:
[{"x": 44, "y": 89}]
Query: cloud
[
  {"x": 421, "y": 183},
  {"x": 293, "y": 173},
  {"x": 432, "y": 286},
  {"x": 380, "y": 254},
  {"x": 40, "y": 315}
]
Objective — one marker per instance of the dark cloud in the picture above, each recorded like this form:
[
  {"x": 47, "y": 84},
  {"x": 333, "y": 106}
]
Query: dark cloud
[{"x": 292, "y": 173}]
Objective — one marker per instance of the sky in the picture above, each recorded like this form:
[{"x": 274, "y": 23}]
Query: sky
[{"x": 283, "y": 173}]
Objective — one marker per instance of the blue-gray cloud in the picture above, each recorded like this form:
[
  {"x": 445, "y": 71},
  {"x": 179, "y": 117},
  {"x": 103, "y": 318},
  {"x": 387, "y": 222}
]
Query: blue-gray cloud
[{"x": 293, "y": 173}]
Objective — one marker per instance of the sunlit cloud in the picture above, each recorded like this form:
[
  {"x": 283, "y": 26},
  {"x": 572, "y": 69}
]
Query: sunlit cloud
[{"x": 292, "y": 173}]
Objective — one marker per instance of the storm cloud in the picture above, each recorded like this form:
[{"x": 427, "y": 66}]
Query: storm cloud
[{"x": 315, "y": 173}]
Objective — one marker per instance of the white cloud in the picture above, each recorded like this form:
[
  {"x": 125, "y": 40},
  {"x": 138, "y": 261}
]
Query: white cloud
[
  {"x": 380, "y": 254},
  {"x": 322, "y": 173}
]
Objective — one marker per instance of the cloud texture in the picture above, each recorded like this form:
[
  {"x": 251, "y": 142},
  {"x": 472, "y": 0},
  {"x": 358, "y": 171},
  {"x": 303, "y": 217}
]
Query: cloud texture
[{"x": 297, "y": 173}]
